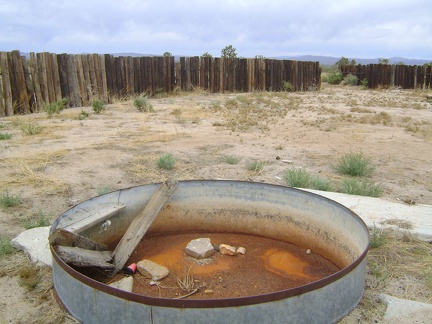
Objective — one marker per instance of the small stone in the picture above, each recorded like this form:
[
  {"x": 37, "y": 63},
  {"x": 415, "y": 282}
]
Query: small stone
[
  {"x": 241, "y": 250},
  {"x": 200, "y": 248},
  {"x": 208, "y": 291},
  {"x": 150, "y": 269},
  {"x": 308, "y": 251},
  {"x": 125, "y": 284},
  {"x": 227, "y": 249}
]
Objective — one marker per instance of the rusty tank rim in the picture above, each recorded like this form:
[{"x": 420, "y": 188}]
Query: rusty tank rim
[{"x": 221, "y": 302}]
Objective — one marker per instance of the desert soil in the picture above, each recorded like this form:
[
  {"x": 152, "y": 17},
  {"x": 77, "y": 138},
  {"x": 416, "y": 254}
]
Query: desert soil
[{"x": 72, "y": 159}]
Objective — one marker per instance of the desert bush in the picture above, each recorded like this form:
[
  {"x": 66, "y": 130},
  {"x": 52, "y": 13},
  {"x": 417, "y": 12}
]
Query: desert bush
[
  {"x": 358, "y": 187},
  {"x": 287, "y": 86},
  {"x": 98, "y": 106},
  {"x": 255, "y": 166},
  {"x": 30, "y": 127},
  {"x": 354, "y": 164},
  {"x": 5, "y": 136},
  {"x": 9, "y": 200},
  {"x": 299, "y": 178},
  {"x": 334, "y": 78},
  {"x": 142, "y": 104},
  {"x": 364, "y": 83},
  {"x": 377, "y": 238},
  {"x": 55, "y": 107},
  {"x": 83, "y": 115},
  {"x": 350, "y": 79},
  {"x": 231, "y": 159},
  {"x": 166, "y": 161},
  {"x": 5, "y": 246},
  {"x": 41, "y": 220}
]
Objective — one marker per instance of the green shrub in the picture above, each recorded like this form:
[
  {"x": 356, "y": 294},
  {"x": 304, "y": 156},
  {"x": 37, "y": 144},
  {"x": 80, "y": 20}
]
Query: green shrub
[
  {"x": 287, "y": 86},
  {"x": 334, "y": 78},
  {"x": 5, "y": 247},
  {"x": 9, "y": 200},
  {"x": 5, "y": 136},
  {"x": 354, "y": 164},
  {"x": 41, "y": 220},
  {"x": 364, "y": 83},
  {"x": 299, "y": 178},
  {"x": 142, "y": 104},
  {"x": 255, "y": 166},
  {"x": 377, "y": 238},
  {"x": 30, "y": 127},
  {"x": 56, "y": 107},
  {"x": 230, "y": 159},
  {"x": 98, "y": 106},
  {"x": 358, "y": 187},
  {"x": 166, "y": 161},
  {"x": 350, "y": 79},
  {"x": 319, "y": 183},
  {"x": 83, "y": 115}
]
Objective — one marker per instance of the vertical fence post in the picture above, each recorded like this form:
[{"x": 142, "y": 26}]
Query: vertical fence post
[{"x": 6, "y": 85}]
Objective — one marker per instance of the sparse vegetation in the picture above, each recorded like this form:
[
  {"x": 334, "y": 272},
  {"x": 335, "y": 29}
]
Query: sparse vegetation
[
  {"x": 29, "y": 276},
  {"x": 142, "y": 104},
  {"x": 231, "y": 159},
  {"x": 98, "y": 106},
  {"x": 360, "y": 187},
  {"x": 41, "y": 220},
  {"x": 30, "y": 127},
  {"x": 377, "y": 238},
  {"x": 354, "y": 164},
  {"x": 350, "y": 79},
  {"x": 287, "y": 86},
  {"x": 334, "y": 78},
  {"x": 5, "y": 136},
  {"x": 5, "y": 247},
  {"x": 55, "y": 107},
  {"x": 103, "y": 190},
  {"x": 255, "y": 166},
  {"x": 83, "y": 115},
  {"x": 9, "y": 200},
  {"x": 300, "y": 178},
  {"x": 166, "y": 161}
]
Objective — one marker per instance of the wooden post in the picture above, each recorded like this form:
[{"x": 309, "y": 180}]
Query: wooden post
[
  {"x": 36, "y": 82},
  {"x": 141, "y": 223},
  {"x": 7, "y": 92}
]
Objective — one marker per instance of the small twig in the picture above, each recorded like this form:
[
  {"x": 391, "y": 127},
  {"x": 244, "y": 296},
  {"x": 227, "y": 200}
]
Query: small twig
[{"x": 191, "y": 293}]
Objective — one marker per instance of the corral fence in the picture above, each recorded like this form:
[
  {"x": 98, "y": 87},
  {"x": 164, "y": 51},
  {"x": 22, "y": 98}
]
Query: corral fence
[
  {"x": 28, "y": 83},
  {"x": 386, "y": 75}
]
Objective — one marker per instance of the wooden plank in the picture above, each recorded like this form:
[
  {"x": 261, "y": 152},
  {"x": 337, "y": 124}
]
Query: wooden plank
[
  {"x": 141, "y": 223},
  {"x": 66, "y": 238},
  {"x": 56, "y": 77},
  {"x": 74, "y": 99},
  {"x": 86, "y": 218},
  {"x": 36, "y": 82},
  {"x": 7, "y": 92},
  {"x": 63, "y": 78},
  {"x": 85, "y": 258},
  {"x": 19, "y": 87}
]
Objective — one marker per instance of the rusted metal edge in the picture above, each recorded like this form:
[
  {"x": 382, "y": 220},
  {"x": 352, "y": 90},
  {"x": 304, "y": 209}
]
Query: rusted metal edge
[{"x": 207, "y": 303}]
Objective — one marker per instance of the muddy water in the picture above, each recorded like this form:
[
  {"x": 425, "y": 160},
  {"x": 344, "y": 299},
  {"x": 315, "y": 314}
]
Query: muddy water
[{"x": 268, "y": 266}]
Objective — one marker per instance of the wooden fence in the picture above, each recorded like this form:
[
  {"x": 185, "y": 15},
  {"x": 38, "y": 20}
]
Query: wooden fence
[
  {"x": 385, "y": 75},
  {"x": 26, "y": 84}
]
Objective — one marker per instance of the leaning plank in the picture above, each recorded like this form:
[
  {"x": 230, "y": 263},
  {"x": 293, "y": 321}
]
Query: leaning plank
[
  {"x": 85, "y": 258},
  {"x": 90, "y": 216},
  {"x": 66, "y": 238},
  {"x": 141, "y": 223}
]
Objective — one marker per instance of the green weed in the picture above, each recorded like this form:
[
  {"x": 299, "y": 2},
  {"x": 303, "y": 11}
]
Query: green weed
[
  {"x": 350, "y": 79},
  {"x": 357, "y": 187},
  {"x": 98, "y": 106},
  {"x": 230, "y": 159},
  {"x": 354, "y": 164},
  {"x": 142, "y": 104},
  {"x": 30, "y": 127},
  {"x": 41, "y": 220},
  {"x": 83, "y": 115},
  {"x": 5, "y": 136},
  {"x": 9, "y": 200},
  {"x": 55, "y": 107},
  {"x": 299, "y": 178},
  {"x": 255, "y": 166},
  {"x": 103, "y": 190},
  {"x": 6, "y": 247},
  {"x": 166, "y": 161},
  {"x": 377, "y": 238}
]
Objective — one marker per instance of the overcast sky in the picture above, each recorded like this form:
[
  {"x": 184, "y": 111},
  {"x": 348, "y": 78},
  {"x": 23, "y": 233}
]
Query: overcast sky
[{"x": 354, "y": 29}]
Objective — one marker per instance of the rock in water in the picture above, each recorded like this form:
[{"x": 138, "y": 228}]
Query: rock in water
[
  {"x": 123, "y": 284},
  {"x": 150, "y": 269},
  {"x": 200, "y": 248},
  {"x": 227, "y": 249}
]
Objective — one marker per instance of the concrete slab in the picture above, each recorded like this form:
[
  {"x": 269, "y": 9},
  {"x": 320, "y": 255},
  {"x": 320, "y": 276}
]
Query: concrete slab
[
  {"x": 382, "y": 213},
  {"x": 405, "y": 311},
  {"x": 34, "y": 242}
]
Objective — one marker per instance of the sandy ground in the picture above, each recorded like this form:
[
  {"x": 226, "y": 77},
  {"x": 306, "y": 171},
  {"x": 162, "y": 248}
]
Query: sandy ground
[{"x": 72, "y": 160}]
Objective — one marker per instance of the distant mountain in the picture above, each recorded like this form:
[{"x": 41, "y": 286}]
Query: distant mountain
[{"x": 330, "y": 60}]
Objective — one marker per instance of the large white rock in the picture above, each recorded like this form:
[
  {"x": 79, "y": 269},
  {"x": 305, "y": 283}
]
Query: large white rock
[
  {"x": 200, "y": 248},
  {"x": 34, "y": 242}
]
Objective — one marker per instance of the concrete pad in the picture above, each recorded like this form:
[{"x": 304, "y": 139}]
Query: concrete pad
[
  {"x": 382, "y": 213},
  {"x": 405, "y": 311},
  {"x": 34, "y": 242}
]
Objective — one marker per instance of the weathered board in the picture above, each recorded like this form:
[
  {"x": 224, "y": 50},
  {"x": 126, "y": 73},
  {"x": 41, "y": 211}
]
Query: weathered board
[
  {"x": 85, "y": 258},
  {"x": 66, "y": 238},
  {"x": 141, "y": 223},
  {"x": 86, "y": 218}
]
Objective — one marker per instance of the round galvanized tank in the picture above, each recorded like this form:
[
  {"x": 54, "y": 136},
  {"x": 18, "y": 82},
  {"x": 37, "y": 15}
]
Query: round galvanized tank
[{"x": 283, "y": 213}]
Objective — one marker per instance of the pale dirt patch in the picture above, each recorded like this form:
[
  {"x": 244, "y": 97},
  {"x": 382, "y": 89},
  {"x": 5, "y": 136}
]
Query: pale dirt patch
[{"x": 73, "y": 160}]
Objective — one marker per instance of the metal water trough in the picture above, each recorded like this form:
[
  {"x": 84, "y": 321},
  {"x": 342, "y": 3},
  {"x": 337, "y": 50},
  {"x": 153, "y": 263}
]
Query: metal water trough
[{"x": 278, "y": 212}]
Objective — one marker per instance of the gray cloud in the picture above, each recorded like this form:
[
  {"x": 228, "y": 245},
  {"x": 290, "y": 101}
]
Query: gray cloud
[{"x": 270, "y": 28}]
